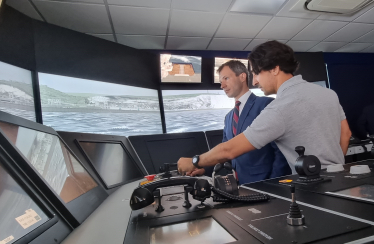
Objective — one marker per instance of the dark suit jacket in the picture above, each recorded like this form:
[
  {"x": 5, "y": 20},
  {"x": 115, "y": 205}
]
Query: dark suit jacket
[{"x": 267, "y": 162}]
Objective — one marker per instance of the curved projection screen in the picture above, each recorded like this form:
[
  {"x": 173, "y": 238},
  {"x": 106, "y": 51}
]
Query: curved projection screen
[
  {"x": 19, "y": 214},
  {"x": 180, "y": 69},
  {"x": 16, "y": 92},
  {"x": 52, "y": 160},
  {"x": 78, "y": 105},
  {"x": 110, "y": 160}
]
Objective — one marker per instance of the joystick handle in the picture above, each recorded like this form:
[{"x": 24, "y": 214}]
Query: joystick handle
[
  {"x": 300, "y": 150},
  {"x": 292, "y": 188},
  {"x": 227, "y": 166},
  {"x": 217, "y": 168}
]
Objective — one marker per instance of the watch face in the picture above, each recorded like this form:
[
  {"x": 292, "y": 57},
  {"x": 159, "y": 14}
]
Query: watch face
[{"x": 194, "y": 159}]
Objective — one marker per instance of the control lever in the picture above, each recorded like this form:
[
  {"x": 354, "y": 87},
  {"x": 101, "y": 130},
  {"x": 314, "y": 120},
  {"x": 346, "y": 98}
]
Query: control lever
[
  {"x": 228, "y": 167},
  {"x": 187, "y": 189},
  {"x": 160, "y": 208},
  {"x": 216, "y": 169},
  {"x": 165, "y": 169},
  {"x": 294, "y": 217}
]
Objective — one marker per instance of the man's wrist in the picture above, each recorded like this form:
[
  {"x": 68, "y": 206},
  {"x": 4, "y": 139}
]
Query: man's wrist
[{"x": 195, "y": 162}]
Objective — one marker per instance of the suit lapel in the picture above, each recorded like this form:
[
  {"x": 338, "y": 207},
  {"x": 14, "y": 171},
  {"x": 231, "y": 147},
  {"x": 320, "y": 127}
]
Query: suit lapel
[{"x": 247, "y": 107}]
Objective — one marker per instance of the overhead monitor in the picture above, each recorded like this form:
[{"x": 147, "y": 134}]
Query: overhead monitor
[
  {"x": 19, "y": 213},
  {"x": 51, "y": 162},
  {"x": 155, "y": 150},
  {"x": 112, "y": 162},
  {"x": 219, "y": 61},
  {"x": 180, "y": 69}
]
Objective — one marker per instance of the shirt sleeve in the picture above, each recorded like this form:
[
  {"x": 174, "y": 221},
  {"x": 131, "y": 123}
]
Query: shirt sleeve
[
  {"x": 341, "y": 112},
  {"x": 267, "y": 127}
]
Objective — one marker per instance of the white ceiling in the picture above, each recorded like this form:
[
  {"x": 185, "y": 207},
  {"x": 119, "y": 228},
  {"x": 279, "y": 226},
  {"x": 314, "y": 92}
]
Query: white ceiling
[{"x": 206, "y": 24}]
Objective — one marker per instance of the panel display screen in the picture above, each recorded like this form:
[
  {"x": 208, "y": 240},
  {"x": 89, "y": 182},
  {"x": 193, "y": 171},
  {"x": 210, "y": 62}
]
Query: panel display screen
[
  {"x": 206, "y": 231},
  {"x": 111, "y": 162},
  {"x": 363, "y": 192},
  {"x": 16, "y": 92},
  {"x": 180, "y": 69},
  {"x": 52, "y": 160},
  {"x": 19, "y": 214},
  {"x": 80, "y": 105},
  {"x": 219, "y": 61}
]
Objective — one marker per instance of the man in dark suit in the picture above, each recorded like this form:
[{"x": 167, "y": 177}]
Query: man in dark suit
[{"x": 268, "y": 162}]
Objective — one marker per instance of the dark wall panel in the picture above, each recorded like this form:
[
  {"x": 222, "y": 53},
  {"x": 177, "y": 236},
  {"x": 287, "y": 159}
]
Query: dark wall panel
[
  {"x": 69, "y": 53},
  {"x": 16, "y": 39}
]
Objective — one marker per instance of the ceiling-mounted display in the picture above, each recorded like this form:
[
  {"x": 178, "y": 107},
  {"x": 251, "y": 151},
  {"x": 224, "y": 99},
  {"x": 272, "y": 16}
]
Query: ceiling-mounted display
[{"x": 180, "y": 69}]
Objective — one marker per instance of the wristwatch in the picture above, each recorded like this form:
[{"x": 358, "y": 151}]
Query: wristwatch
[{"x": 195, "y": 161}]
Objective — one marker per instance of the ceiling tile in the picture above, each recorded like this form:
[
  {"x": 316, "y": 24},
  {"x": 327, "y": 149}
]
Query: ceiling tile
[
  {"x": 343, "y": 17},
  {"x": 319, "y": 30},
  {"x": 367, "y": 17},
  {"x": 281, "y": 41},
  {"x": 350, "y": 32},
  {"x": 87, "y": 18},
  {"x": 83, "y": 1},
  {"x": 327, "y": 47},
  {"x": 228, "y": 44},
  {"x": 283, "y": 28},
  {"x": 142, "y": 42},
  {"x": 368, "y": 50},
  {"x": 254, "y": 43},
  {"x": 139, "y": 21},
  {"x": 187, "y": 43},
  {"x": 288, "y": 10},
  {"x": 301, "y": 46},
  {"x": 203, "y": 5},
  {"x": 108, "y": 37},
  {"x": 25, "y": 7},
  {"x": 257, "y": 6},
  {"x": 369, "y": 38},
  {"x": 353, "y": 47},
  {"x": 192, "y": 23},
  {"x": 241, "y": 25},
  {"x": 142, "y": 3}
]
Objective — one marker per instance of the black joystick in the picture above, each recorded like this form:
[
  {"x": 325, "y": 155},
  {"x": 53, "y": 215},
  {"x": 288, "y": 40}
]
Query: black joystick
[
  {"x": 160, "y": 208},
  {"x": 201, "y": 191},
  {"x": 295, "y": 218},
  {"x": 187, "y": 189},
  {"x": 308, "y": 167}
]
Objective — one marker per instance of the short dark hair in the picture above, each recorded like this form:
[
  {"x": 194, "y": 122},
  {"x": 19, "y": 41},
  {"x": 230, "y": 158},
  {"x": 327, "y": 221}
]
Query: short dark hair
[
  {"x": 236, "y": 66},
  {"x": 270, "y": 54}
]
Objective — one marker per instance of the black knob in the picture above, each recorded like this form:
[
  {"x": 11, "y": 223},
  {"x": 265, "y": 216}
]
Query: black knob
[
  {"x": 292, "y": 189},
  {"x": 227, "y": 166},
  {"x": 217, "y": 168},
  {"x": 300, "y": 150}
]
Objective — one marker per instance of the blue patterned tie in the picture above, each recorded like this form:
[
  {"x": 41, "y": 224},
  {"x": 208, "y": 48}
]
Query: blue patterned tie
[{"x": 235, "y": 117}]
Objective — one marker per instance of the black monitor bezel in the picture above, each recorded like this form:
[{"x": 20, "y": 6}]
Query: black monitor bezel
[
  {"x": 35, "y": 194},
  {"x": 73, "y": 211},
  {"x": 140, "y": 142},
  {"x": 78, "y": 141},
  {"x": 209, "y": 135}
]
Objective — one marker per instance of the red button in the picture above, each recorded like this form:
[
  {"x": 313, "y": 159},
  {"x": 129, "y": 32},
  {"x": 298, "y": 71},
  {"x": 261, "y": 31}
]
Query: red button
[{"x": 149, "y": 177}]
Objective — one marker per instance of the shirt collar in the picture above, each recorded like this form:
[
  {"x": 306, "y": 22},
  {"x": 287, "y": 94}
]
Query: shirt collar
[
  {"x": 288, "y": 83},
  {"x": 243, "y": 99}
]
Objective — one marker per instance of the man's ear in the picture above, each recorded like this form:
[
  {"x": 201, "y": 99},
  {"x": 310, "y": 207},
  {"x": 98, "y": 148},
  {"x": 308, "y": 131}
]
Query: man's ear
[
  {"x": 243, "y": 77},
  {"x": 275, "y": 71}
]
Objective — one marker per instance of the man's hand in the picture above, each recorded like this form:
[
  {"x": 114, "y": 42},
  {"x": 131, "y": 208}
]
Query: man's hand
[
  {"x": 196, "y": 172},
  {"x": 185, "y": 166}
]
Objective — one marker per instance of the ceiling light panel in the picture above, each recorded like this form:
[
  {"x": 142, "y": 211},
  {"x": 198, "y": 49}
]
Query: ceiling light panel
[
  {"x": 351, "y": 32},
  {"x": 368, "y": 38},
  {"x": 194, "y": 23},
  {"x": 301, "y": 46},
  {"x": 142, "y": 3},
  {"x": 367, "y": 17},
  {"x": 187, "y": 43},
  {"x": 327, "y": 47},
  {"x": 257, "y": 6},
  {"x": 344, "y": 17},
  {"x": 220, "y": 6},
  {"x": 25, "y": 7},
  {"x": 225, "y": 44},
  {"x": 139, "y": 21},
  {"x": 85, "y": 1},
  {"x": 292, "y": 9},
  {"x": 242, "y": 25},
  {"x": 283, "y": 28},
  {"x": 353, "y": 47},
  {"x": 142, "y": 42},
  {"x": 319, "y": 30},
  {"x": 82, "y": 17},
  {"x": 254, "y": 43}
]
